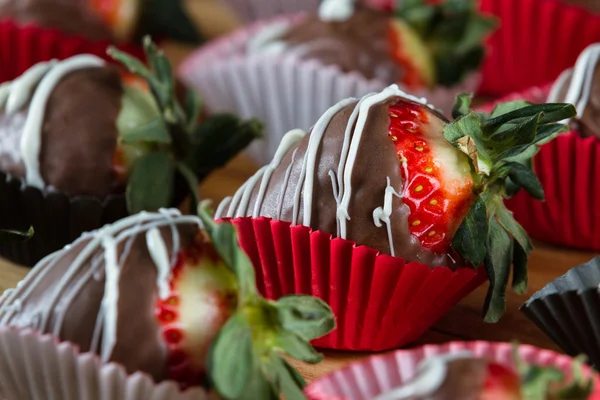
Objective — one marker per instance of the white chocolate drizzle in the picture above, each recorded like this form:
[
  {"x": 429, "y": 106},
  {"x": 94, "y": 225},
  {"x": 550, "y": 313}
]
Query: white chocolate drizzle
[
  {"x": 336, "y": 10},
  {"x": 430, "y": 376},
  {"x": 90, "y": 264},
  {"x": 354, "y": 135},
  {"x": 34, "y": 87},
  {"x": 582, "y": 77}
]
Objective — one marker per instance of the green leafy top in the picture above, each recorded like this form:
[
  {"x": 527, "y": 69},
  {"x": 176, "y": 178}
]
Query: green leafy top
[
  {"x": 7, "y": 236},
  {"x": 453, "y": 30},
  {"x": 246, "y": 357},
  {"x": 549, "y": 383},
  {"x": 500, "y": 147},
  {"x": 178, "y": 150}
]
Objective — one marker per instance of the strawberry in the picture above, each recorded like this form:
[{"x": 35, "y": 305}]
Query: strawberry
[
  {"x": 120, "y": 15},
  {"x": 215, "y": 321},
  {"x": 501, "y": 383},
  {"x": 456, "y": 175},
  {"x": 437, "y": 42},
  {"x": 164, "y": 147}
]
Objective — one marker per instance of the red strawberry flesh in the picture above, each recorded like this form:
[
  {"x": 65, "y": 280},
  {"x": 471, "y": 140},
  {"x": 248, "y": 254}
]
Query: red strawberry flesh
[{"x": 437, "y": 186}]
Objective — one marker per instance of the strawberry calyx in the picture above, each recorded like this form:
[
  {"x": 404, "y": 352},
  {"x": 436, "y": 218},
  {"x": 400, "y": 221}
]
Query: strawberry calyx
[
  {"x": 245, "y": 360},
  {"x": 500, "y": 146},
  {"x": 550, "y": 383},
  {"x": 164, "y": 146},
  {"x": 453, "y": 33},
  {"x": 7, "y": 235}
]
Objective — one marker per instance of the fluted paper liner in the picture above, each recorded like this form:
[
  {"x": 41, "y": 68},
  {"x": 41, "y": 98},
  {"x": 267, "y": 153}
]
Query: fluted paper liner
[
  {"x": 37, "y": 367},
  {"x": 380, "y": 302},
  {"x": 255, "y": 10},
  {"x": 536, "y": 41},
  {"x": 283, "y": 91},
  {"x": 568, "y": 169},
  {"x": 56, "y": 218},
  {"x": 24, "y": 46},
  {"x": 568, "y": 310},
  {"x": 379, "y": 374}
]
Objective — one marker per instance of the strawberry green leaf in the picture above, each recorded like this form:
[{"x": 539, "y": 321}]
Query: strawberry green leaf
[
  {"x": 192, "y": 108},
  {"x": 506, "y": 107},
  {"x": 132, "y": 64},
  {"x": 526, "y": 178},
  {"x": 497, "y": 263},
  {"x": 297, "y": 347},
  {"x": 7, "y": 236},
  {"x": 192, "y": 181},
  {"x": 520, "y": 278},
  {"x": 150, "y": 185},
  {"x": 286, "y": 381},
  {"x": 470, "y": 239},
  {"x": 232, "y": 358},
  {"x": 462, "y": 105},
  {"x": 308, "y": 316},
  {"x": 465, "y": 133},
  {"x": 154, "y": 131},
  {"x": 519, "y": 134},
  {"x": 259, "y": 387},
  {"x": 553, "y": 112}
]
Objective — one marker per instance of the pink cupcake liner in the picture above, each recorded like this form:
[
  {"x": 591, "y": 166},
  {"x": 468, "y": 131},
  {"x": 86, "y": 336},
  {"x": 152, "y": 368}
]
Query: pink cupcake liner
[
  {"x": 283, "y": 91},
  {"x": 24, "y": 46},
  {"x": 37, "y": 367},
  {"x": 254, "y": 10},
  {"x": 376, "y": 375},
  {"x": 569, "y": 169},
  {"x": 537, "y": 40},
  {"x": 380, "y": 302}
]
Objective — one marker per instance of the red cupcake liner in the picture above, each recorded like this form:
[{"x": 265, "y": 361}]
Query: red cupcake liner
[
  {"x": 379, "y": 374},
  {"x": 380, "y": 302},
  {"x": 24, "y": 46},
  {"x": 537, "y": 40},
  {"x": 569, "y": 169}
]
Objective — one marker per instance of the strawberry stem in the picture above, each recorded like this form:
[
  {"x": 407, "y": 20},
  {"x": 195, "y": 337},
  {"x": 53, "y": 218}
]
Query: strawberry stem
[{"x": 500, "y": 147}]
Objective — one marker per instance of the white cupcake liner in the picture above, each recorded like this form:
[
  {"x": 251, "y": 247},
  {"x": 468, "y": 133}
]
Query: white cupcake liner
[
  {"x": 37, "y": 367},
  {"x": 254, "y": 10},
  {"x": 283, "y": 91},
  {"x": 379, "y": 374}
]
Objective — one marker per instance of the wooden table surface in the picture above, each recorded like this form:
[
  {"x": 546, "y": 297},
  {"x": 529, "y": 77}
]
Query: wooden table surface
[{"x": 464, "y": 322}]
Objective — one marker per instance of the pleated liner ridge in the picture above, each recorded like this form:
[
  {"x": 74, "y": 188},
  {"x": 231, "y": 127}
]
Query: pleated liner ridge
[
  {"x": 379, "y": 374},
  {"x": 380, "y": 302},
  {"x": 37, "y": 367},
  {"x": 568, "y": 311},
  {"x": 536, "y": 41},
  {"x": 24, "y": 46}
]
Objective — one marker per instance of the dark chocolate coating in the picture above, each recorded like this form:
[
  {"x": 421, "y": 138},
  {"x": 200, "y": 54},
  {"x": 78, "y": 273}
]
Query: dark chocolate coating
[
  {"x": 74, "y": 17},
  {"x": 359, "y": 44},
  {"x": 79, "y": 134},
  {"x": 139, "y": 345},
  {"x": 376, "y": 161}
]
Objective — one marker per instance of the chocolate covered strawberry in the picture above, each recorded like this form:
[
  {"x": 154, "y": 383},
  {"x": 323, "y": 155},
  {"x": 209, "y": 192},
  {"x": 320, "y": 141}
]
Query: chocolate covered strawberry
[
  {"x": 389, "y": 172},
  {"x": 468, "y": 377},
  {"x": 417, "y": 43},
  {"x": 114, "y": 20},
  {"x": 157, "y": 293},
  {"x": 84, "y": 127}
]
